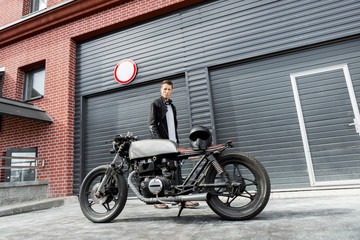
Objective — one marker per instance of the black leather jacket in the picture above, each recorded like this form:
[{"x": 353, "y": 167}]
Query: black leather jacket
[{"x": 157, "y": 119}]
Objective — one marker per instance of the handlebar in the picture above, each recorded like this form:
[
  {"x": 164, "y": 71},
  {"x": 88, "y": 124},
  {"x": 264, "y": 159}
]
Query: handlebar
[{"x": 120, "y": 138}]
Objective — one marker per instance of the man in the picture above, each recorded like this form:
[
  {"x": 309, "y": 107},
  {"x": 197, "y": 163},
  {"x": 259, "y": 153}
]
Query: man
[
  {"x": 163, "y": 124},
  {"x": 162, "y": 117}
]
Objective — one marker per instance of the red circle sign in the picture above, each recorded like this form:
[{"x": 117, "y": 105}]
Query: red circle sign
[{"x": 125, "y": 71}]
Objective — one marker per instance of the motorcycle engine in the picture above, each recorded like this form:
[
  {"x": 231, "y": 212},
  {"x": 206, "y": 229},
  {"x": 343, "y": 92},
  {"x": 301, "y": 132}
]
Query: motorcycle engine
[
  {"x": 155, "y": 176},
  {"x": 155, "y": 186}
]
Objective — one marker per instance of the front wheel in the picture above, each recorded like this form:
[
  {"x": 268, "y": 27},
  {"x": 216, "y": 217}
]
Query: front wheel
[
  {"x": 110, "y": 203},
  {"x": 249, "y": 192}
]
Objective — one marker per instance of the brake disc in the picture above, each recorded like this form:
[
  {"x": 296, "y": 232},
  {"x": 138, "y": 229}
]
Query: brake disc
[{"x": 98, "y": 200}]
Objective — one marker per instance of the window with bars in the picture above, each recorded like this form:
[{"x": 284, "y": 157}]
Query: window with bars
[{"x": 20, "y": 174}]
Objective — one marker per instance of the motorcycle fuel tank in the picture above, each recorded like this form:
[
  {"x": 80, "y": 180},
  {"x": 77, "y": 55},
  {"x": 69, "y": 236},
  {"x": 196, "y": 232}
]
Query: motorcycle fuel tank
[{"x": 151, "y": 147}]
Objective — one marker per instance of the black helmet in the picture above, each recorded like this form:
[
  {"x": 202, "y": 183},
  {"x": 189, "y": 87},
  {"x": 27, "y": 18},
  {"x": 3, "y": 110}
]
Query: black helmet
[{"x": 200, "y": 138}]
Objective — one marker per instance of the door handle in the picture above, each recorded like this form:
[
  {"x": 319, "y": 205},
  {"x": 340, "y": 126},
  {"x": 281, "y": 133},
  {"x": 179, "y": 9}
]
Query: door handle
[{"x": 356, "y": 123}]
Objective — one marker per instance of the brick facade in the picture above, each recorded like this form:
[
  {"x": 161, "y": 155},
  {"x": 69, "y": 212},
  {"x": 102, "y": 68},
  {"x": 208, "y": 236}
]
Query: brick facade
[
  {"x": 14, "y": 10},
  {"x": 56, "y": 48},
  {"x": 10, "y": 11}
]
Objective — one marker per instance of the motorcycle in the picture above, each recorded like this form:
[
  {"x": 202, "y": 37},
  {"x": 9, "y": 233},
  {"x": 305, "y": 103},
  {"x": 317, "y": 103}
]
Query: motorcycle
[{"x": 234, "y": 184}]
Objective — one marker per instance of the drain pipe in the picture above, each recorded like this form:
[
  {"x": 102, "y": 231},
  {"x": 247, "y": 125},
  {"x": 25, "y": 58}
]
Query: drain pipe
[{"x": 176, "y": 199}]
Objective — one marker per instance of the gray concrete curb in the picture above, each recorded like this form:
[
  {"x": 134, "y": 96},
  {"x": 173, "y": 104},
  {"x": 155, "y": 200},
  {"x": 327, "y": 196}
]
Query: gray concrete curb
[
  {"x": 36, "y": 205},
  {"x": 313, "y": 193}
]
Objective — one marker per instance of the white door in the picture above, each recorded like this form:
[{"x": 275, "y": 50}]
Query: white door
[{"x": 330, "y": 124}]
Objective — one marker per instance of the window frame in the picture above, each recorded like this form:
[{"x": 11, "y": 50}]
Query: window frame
[
  {"x": 8, "y": 162},
  {"x": 26, "y": 84},
  {"x": 32, "y": 6}
]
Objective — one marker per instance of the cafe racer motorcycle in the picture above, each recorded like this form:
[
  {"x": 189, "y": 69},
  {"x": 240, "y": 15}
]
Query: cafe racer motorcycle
[{"x": 234, "y": 184}]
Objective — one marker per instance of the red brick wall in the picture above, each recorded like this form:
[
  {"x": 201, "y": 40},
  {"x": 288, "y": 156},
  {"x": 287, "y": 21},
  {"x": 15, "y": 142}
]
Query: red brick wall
[
  {"x": 26, "y": 7},
  {"x": 2, "y": 171},
  {"x": 13, "y": 10},
  {"x": 51, "y": 3},
  {"x": 57, "y": 49}
]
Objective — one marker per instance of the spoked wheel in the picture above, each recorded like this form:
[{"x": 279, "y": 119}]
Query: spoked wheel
[
  {"x": 250, "y": 190},
  {"x": 110, "y": 203}
]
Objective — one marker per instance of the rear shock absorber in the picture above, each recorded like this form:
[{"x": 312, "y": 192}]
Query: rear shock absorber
[{"x": 210, "y": 156}]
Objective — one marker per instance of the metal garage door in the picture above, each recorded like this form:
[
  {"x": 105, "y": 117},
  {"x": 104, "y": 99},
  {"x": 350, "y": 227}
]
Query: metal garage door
[
  {"x": 254, "y": 105},
  {"x": 126, "y": 110}
]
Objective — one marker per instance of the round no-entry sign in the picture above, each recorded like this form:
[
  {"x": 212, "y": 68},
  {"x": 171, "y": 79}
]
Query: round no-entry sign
[{"x": 125, "y": 71}]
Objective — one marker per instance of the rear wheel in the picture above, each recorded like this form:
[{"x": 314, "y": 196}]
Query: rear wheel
[
  {"x": 250, "y": 190},
  {"x": 110, "y": 203}
]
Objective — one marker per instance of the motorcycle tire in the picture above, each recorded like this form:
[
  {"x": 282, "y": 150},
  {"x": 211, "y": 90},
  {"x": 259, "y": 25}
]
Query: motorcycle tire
[
  {"x": 107, "y": 207},
  {"x": 244, "y": 200}
]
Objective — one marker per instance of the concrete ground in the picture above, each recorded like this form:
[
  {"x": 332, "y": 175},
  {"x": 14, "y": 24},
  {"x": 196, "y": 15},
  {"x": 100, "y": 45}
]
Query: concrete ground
[{"x": 311, "y": 215}]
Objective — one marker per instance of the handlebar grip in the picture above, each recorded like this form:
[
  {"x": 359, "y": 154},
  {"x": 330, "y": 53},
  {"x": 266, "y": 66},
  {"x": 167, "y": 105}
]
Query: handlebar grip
[{"x": 229, "y": 143}]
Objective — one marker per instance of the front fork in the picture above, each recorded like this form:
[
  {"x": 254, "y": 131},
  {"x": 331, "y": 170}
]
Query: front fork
[{"x": 109, "y": 172}]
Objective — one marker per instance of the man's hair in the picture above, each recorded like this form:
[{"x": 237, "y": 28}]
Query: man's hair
[{"x": 168, "y": 82}]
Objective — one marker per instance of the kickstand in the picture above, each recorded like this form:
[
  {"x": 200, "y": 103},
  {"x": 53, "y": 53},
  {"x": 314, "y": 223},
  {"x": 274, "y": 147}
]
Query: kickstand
[{"x": 182, "y": 206}]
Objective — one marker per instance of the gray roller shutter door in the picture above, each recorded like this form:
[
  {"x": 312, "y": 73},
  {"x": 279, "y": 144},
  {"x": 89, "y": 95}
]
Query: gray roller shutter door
[
  {"x": 254, "y": 105},
  {"x": 127, "y": 110},
  {"x": 194, "y": 38}
]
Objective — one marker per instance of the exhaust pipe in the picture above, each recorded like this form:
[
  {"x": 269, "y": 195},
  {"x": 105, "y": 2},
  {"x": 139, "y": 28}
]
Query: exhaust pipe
[
  {"x": 175, "y": 199},
  {"x": 193, "y": 197}
]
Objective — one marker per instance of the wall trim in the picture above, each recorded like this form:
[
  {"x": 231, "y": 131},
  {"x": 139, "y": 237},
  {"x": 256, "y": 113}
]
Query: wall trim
[{"x": 72, "y": 11}]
